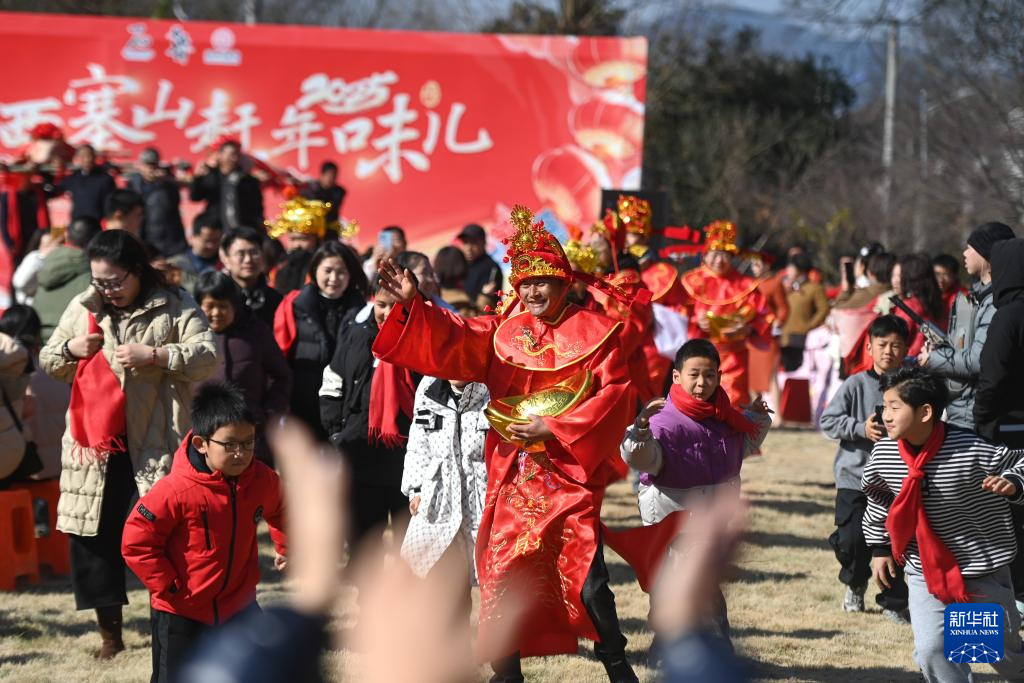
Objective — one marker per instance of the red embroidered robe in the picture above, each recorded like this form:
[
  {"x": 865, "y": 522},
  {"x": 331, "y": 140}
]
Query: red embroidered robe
[{"x": 541, "y": 521}]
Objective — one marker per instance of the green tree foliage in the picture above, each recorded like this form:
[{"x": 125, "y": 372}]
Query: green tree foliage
[
  {"x": 572, "y": 17},
  {"x": 729, "y": 129}
]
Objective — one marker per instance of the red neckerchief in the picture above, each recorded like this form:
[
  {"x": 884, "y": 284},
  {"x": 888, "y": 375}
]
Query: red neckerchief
[
  {"x": 718, "y": 407},
  {"x": 391, "y": 390},
  {"x": 908, "y": 519},
  {"x": 97, "y": 426}
]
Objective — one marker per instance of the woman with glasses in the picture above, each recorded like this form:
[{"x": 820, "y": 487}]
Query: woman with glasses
[{"x": 131, "y": 347}]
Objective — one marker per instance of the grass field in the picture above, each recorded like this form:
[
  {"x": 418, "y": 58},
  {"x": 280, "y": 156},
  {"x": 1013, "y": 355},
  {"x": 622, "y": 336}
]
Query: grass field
[{"x": 783, "y": 598}]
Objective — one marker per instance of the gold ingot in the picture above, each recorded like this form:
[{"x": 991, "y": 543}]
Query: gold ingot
[
  {"x": 718, "y": 323},
  {"x": 551, "y": 402}
]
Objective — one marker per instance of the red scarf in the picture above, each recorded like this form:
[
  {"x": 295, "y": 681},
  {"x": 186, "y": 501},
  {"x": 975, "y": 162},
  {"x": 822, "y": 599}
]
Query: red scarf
[
  {"x": 97, "y": 407},
  {"x": 907, "y": 519},
  {"x": 391, "y": 390},
  {"x": 718, "y": 407}
]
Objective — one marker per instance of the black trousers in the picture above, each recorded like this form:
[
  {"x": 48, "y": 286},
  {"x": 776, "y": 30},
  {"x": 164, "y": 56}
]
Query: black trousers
[
  {"x": 853, "y": 553},
  {"x": 599, "y": 602},
  {"x": 1013, "y": 441},
  {"x": 372, "y": 504},
  {"x": 97, "y": 568},
  {"x": 172, "y": 638}
]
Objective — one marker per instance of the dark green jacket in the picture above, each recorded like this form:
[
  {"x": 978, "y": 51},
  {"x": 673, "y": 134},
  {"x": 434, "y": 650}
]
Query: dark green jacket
[{"x": 64, "y": 275}]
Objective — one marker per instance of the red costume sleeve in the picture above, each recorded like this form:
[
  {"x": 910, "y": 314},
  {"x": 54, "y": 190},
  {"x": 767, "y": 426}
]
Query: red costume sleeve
[
  {"x": 432, "y": 341},
  {"x": 284, "y": 322},
  {"x": 588, "y": 435}
]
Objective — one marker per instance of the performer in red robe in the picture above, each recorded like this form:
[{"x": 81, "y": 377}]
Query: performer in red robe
[
  {"x": 726, "y": 307},
  {"x": 628, "y": 224},
  {"x": 540, "y": 539}
]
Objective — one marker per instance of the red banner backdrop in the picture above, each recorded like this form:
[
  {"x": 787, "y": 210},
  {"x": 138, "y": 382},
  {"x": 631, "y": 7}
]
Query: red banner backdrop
[{"x": 430, "y": 130}]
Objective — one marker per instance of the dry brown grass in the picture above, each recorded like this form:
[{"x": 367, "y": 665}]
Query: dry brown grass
[{"x": 783, "y": 601}]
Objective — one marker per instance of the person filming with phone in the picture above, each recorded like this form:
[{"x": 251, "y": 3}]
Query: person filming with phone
[{"x": 390, "y": 243}]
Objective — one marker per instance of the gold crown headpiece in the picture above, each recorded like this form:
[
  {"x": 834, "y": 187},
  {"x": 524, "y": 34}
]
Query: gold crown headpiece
[
  {"x": 301, "y": 215},
  {"x": 635, "y": 214},
  {"x": 720, "y": 236},
  {"x": 533, "y": 251}
]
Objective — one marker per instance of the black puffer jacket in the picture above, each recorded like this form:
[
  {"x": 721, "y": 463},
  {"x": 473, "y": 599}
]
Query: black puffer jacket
[
  {"x": 345, "y": 404},
  {"x": 317, "y": 321},
  {"x": 999, "y": 403}
]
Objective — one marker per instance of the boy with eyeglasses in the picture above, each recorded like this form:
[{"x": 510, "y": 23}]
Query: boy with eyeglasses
[{"x": 192, "y": 539}]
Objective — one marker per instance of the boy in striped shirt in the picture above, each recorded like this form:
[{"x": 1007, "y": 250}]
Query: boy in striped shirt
[{"x": 938, "y": 504}]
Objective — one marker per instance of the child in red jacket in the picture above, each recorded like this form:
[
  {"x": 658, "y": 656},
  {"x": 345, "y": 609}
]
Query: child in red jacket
[{"x": 192, "y": 539}]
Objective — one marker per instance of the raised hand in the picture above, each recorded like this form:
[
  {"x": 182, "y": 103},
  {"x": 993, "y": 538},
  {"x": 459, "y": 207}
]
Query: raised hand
[
  {"x": 652, "y": 408},
  {"x": 401, "y": 284}
]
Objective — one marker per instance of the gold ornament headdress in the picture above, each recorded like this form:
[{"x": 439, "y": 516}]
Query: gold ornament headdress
[
  {"x": 635, "y": 214},
  {"x": 533, "y": 251},
  {"x": 304, "y": 216},
  {"x": 720, "y": 236}
]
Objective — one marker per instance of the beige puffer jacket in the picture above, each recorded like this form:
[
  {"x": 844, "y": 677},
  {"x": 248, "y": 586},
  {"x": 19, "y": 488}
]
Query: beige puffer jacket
[
  {"x": 13, "y": 378},
  {"x": 158, "y": 400}
]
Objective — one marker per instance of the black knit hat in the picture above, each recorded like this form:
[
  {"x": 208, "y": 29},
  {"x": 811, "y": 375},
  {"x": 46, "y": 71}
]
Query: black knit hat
[{"x": 986, "y": 235}]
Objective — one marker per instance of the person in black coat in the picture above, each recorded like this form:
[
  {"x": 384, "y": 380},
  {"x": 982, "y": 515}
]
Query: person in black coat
[
  {"x": 89, "y": 186},
  {"x": 307, "y": 322},
  {"x": 375, "y": 462},
  {"x": 999, "y": 403},
  {"x": 241, "y": 252},
  {"x": 249, "y": 356},
  {"x": 161, "y": 223},
  {"x": 232, "y": 196},
  {"x": 326, "y": 189}
]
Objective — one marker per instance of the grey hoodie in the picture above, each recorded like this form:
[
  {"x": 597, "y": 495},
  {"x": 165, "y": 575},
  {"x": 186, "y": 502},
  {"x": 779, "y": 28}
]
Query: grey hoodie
[
  {"x": 961, "y": 363},
  {"x": 844, "y": 419}
]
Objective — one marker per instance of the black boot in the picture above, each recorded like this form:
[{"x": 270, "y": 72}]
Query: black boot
[
  {"x": 507, "y": 670},
  {"x": 111, "y": 641},
  {"x": 615, "y": 663}
]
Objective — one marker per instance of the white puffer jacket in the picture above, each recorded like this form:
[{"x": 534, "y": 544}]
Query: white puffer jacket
[{"x": 444, "y": 465}]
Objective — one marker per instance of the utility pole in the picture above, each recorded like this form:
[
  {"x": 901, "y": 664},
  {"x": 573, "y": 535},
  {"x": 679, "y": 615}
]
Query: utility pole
[
  {"x": 249, "y": 11},
  {"x": 920, "y": 208},
  {"x": 889, "y": 125}
]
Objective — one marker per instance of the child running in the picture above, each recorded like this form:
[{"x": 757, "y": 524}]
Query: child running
[
  {"x": 938, "y": 504},
  {"x": 853, "y": 417},
  {"x": 192, "y": 539},
  {"x": 692, "y": 445}
]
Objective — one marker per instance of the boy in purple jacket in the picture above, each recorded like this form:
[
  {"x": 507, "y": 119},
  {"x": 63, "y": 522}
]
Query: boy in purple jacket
[{"x": 691, "y": 445}]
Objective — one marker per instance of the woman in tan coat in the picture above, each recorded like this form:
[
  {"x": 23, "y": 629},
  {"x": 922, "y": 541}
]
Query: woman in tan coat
[
  {"x": 808, "y": 308},
  {"x": 157, "y": 344},
  {"x": 13, "y": 381}
]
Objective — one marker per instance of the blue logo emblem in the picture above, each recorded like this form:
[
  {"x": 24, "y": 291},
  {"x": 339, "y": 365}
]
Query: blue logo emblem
[{"x": 974, "y": 632}]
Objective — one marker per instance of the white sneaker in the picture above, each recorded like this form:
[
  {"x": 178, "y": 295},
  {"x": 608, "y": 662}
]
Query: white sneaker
[
  {"x": 902, "y": 617},
  {"x": 854, "y": 600}
]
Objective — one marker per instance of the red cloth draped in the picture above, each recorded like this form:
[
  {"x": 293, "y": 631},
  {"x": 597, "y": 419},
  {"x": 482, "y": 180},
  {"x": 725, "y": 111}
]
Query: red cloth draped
[
  {"x": 391, "y": 391},
  {"x": 541, "y": 520},
  {"x": 908, "y": 520},
  {"x": 96, "y": 413},
  {"x": 284, "y": 322},
  {"x": 718, "y": 407}
]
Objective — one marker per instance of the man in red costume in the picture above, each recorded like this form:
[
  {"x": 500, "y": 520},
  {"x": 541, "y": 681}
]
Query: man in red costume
[
  {"x": 726, "y": 307},
  {"x": 605, "y": 256},
  {"x": 540, "y": 538}
]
